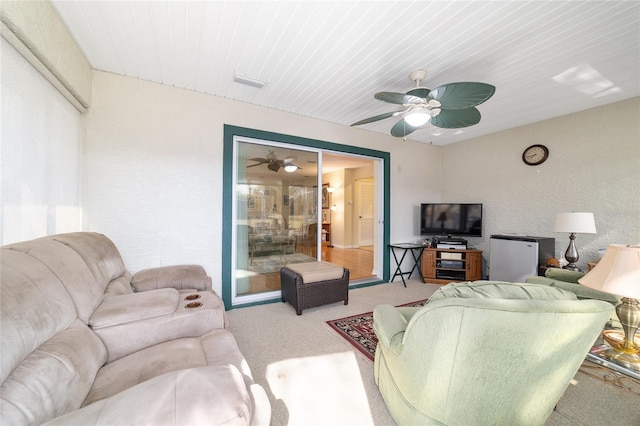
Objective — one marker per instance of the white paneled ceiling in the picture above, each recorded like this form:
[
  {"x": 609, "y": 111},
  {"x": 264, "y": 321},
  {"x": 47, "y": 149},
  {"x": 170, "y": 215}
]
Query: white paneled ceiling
[{"x": 326, "y": 59}]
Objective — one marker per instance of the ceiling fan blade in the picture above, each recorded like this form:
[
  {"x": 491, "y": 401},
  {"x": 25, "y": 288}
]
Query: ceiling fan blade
[
  {"x": 398, "y": 98},
  {"x": 455, "y": 119},
  {"x": 462, "y": 95},
  {"x": 253, "y": 165},
  {"x": 402, "y": 129},
  {"x": 421, "y": 92},
  {"x": 377, "y": 117},
  {"x": 259, "y": 160}
]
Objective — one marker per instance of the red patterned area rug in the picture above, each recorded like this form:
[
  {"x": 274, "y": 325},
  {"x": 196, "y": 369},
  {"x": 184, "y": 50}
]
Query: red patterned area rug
[{"x": 358, "y": 330}]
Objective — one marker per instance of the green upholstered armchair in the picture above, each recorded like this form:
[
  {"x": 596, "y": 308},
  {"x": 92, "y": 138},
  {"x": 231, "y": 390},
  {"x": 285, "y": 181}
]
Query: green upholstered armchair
[{"x": 483, "y": 353}]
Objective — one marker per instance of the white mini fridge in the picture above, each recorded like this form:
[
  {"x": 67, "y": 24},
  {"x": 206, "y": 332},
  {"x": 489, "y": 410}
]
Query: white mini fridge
[{"x": 514, "y": 258}]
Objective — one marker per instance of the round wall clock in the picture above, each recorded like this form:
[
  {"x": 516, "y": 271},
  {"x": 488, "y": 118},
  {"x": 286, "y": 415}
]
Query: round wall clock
[{"x": 535, "y": 154}]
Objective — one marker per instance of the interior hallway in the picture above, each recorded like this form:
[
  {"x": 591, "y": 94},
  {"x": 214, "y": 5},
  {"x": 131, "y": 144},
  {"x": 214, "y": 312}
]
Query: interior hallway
[{"x": 359, "y": 261}]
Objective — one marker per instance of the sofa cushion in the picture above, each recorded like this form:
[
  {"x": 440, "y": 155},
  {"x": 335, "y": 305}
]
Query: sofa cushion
[
  {"x": 126, "y": 308},
  {"x": 119, "y": 286},
  {"x": 32, "y": 312},
  {"x": 312, "y": 272},
  {"x": 87, "y": 264},
  {"x": 217, "y": 347},
  {"x": 99, "y": 253},
  {"x": 213, "y": 395},
  {"x": 501, "y": 290},
  {"x": 124, "y": 338},
  {"x": 70, "y": 269},
  {"x": 65, "y": 367}
]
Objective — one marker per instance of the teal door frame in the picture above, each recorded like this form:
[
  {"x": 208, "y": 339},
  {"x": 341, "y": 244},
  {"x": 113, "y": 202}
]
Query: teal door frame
[{"x": 227, "y": 195}]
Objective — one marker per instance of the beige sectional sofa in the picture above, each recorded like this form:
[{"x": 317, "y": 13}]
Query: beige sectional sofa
[{"x": 85, "y": 342}]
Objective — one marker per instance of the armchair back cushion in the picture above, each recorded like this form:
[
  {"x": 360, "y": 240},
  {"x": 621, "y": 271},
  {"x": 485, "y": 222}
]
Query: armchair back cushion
[{"x": 500, "y": 290}]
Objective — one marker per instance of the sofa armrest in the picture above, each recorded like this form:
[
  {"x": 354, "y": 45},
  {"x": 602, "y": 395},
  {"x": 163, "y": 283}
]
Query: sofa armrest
[
  {"x": 389, "y": 325},
  {"x": 579, "y": 290},
  {"x": 178, "y": 277},
  {"x": 564, "y": 275}
]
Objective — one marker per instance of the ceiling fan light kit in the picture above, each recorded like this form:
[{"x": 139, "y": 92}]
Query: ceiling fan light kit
[
  {"x": 449, "y": 106},
  {"x": 417, "y": 118}
]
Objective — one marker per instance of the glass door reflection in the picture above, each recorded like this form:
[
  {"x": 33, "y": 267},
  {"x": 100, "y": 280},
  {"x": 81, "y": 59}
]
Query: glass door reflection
[{"x": 276, "y": 214}]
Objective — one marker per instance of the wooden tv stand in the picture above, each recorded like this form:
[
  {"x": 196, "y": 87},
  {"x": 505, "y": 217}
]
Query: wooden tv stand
[{"x": 442, "y": 266}]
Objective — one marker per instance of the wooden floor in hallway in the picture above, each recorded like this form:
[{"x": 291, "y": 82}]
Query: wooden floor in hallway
[{"x": 358, "y": 261}]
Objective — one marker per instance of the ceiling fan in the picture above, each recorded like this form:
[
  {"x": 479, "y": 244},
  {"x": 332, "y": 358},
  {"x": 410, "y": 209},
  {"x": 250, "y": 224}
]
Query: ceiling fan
[
  {"x": 450, "y": 106},
  {"x": 274, "y": 164}
]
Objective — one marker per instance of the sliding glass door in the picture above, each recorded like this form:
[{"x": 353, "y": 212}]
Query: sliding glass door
[
  {"x": 270, "y": 215},
  {"x": 275, "y": 211}
]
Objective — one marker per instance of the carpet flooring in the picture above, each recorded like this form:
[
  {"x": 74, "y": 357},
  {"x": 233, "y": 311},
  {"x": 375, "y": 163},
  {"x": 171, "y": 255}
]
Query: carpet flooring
[{"x": 314, "y": 377}]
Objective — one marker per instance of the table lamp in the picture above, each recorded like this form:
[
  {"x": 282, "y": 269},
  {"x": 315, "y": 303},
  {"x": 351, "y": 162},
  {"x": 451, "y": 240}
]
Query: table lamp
[
  {"x": 574, "y": 223},
  {"x": 618, "y": 272}
]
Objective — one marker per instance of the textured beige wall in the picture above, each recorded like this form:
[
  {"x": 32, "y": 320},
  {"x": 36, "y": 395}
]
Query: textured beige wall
[
  {"x": 593, "y": 166},
  {"x": 40, "y": 28},
  {"x": 153, "y": 169}
]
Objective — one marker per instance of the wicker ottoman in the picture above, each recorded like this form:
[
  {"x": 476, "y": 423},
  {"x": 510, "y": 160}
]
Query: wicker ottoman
[{"x": 305, "y": 285}]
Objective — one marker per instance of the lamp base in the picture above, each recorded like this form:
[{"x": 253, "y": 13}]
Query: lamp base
[
  {"x": 571, "y": 255},
  {"x": 572, "y": 267},
  {"x": 628, "y": 358},
  {"x": 626, "y": 352}
]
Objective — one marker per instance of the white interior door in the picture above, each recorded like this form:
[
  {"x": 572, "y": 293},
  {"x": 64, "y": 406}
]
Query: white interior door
[{"x": 365, "y": 212}]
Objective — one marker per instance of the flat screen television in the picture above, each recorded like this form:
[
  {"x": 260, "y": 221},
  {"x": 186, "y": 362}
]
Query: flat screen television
[{"x": 451, "y": 219}]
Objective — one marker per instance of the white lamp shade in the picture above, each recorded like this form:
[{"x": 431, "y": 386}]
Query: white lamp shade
[
  {"x": 578, "y": 223},
  {"x": 618, "y": 272}
]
